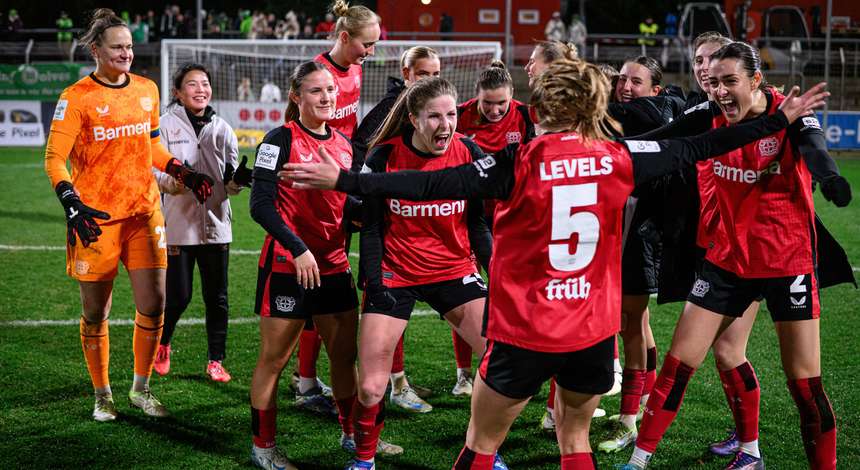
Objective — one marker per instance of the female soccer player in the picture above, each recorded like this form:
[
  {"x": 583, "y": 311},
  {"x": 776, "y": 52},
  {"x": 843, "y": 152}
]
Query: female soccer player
[
  {"x": 198, "y": 233},
  {"x": 416, "y": 63},
  {"x": 427, "y": 253},
  {"x": 551, "y": 309},
  {"x": 107, "y": 124},
  {"x": 763, "y": 244},
  {"x": 304, "y": 271},
  {"x": 355, "y": 33}
]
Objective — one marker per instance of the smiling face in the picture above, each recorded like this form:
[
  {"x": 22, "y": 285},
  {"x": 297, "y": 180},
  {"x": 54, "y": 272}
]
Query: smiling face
[
  {"x": 493, "y": 104},
  {"x": 357, "y": 48},
  {"x": 114, "y": 53},
  {"x": 316, "y": 98},
  {"x": 732, "y": 88},
  {"x": 702, "y": 62},
  {"x": 634, "y": 81},
  {"x": 435, "y": 125},
  {"x": 423, "y": 68},
  {"x": 535, "y": 66},
  {"x": 195, "y": 91}
]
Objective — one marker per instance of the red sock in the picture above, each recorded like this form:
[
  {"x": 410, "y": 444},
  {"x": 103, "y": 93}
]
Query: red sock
[
  {"x": 471, "y": 460},
  {"x": 664, "y": 402},
  {"x": 743, "y": 393},
  {"x": 650, "y": 370},
  {"x": 632, "y": 384},
  {"x": 462, "y": 351},
  {"x": 817, "y": 422},
  {"x": 550, "y": 400},
  {"x": 578, "y": 461},
  {"x": 369, "y": 421},
  {"x": 263, "y": 427},
  {"x": 344, "y": 413},
  {"x": 397, "y": 364},
  {"x": 309, "y": 351}
]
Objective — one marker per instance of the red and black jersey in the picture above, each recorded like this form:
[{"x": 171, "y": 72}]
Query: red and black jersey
[
  {"x": 556, "y": 267},
  {"x": 516, "y": 127},
  {"x": 305, "y": 219},
  {"x": 763, "y": 193},
  {"x": 424, "y": 242},
  {"x": 348, "y": 84}
]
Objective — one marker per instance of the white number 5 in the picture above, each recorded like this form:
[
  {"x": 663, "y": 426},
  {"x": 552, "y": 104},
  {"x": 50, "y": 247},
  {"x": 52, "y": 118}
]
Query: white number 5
[{"x": 565, "y": 225}]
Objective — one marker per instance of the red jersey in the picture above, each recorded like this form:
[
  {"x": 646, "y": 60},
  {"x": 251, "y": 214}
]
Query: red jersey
[
  {"x": 560, "y": 229},
  {"x": 764, "y": 199},
  {"x": 709, "y": 217},
  {"x": 514, "y": 128},
  {"x": 347, "y": 81},
  {"x": 314, "y": 216},
  {"x": 428, "y": 241}
]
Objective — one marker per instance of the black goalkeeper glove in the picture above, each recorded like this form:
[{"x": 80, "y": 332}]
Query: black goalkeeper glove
[
  {"x": 837, "y": 190},
  {"x": 198, "y": 183},
  {"x": 379, "y": 299},
  {"x": 80, "y": 218},
  {"x": 241, "y": 176}
]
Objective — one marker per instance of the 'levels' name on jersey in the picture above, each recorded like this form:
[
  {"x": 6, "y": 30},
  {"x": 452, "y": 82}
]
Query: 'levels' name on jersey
[{"x": 573, "y": 167}]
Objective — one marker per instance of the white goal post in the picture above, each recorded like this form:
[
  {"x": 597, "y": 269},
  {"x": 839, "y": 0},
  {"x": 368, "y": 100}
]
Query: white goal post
[{"x": 230, "y": 61}]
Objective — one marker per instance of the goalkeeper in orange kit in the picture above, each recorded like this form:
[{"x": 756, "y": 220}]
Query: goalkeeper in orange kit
[{"x": 107, "y": 125}]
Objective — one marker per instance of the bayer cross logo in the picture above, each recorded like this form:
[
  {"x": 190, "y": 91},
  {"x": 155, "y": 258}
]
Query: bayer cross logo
[
  {"x": 700, "y": 288},
  {"x": 285, "y": 303},
  {"x": 346, "y": 159},
  {"x": 768, "y": 147},
  {"x": 513, "y": 137}
]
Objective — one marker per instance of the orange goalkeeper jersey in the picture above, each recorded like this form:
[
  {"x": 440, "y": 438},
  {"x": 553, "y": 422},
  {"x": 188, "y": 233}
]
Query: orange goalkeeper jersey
[{"x": 111, "y": 135}]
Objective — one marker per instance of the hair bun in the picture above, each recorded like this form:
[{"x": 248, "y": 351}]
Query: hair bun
[
  {"x": 340, "y": 8},
  {"x": 498, "y": 64}
]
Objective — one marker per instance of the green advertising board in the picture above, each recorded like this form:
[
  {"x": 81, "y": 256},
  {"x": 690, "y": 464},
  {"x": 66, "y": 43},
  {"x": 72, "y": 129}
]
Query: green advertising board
[{"x": 38, "y": 82}]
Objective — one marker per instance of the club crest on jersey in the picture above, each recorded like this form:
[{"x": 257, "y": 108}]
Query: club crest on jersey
[
  {"x": 103, "y": 110},
  {"x": 768, "y": 147},
  {"x": 700, "y": 288},
  {"x": 146, "y": 103},
  {"x": 513, "y": 137},
  {"x": 306, "y": 158},
  {"x": 357, "y": 81},
  {"x": 346, "y": 159},
  {"x": 285, "y": 303}
]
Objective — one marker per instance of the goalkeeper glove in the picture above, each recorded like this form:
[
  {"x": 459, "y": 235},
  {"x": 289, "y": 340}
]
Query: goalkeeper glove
[
  {"x": 241, "y": 175},
  {"x": 80, "y": 218},
  {"x": 837, "y": 190},
  {"x": 199, "y": 183}
]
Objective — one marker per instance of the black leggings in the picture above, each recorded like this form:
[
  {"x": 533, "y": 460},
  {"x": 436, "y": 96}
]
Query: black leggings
[{"x": 212, "y": 261}]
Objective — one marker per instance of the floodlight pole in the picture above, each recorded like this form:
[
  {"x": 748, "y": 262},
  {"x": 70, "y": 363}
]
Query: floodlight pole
[
  {"x": 199, "y": 19},
  {"x": 825, "y": 112},
  {"x": 509, "y": 53}
]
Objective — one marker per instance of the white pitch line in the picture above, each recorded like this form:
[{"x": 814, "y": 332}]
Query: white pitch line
[
  {"x": 184, "y": 321},
  {"x": 234, "y": 251}
]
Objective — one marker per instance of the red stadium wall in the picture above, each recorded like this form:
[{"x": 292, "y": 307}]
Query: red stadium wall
[
  {"x": 412, "y": 15},
  {"x": 840, "y": 8}
]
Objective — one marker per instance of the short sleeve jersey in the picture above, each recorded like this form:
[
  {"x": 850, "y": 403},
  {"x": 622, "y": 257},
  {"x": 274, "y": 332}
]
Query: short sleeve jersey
[
  {"x": 427, "y": 241},
  {"x": 556, "y": 267},
  {"x": 516, "y": 127},
  {"x": 763, "y": 193},
  {"x": 348, "y": 83},
  {"x": 314, "y": 216},
  {"x": 112, "y": 127}
]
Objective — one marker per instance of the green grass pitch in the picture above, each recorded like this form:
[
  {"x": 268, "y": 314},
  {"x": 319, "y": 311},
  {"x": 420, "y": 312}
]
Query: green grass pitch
[{"x": 46, "y": 396}]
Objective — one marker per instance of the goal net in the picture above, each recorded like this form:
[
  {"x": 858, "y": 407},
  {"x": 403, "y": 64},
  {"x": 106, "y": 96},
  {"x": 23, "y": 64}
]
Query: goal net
[{"x": 256, "y": 62}]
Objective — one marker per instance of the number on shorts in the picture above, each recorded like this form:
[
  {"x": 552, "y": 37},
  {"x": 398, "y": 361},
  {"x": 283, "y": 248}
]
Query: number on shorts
[
  {"x": 162, "y": 243},
  {"x": 584, "y": 224},
  {"x": 797, "y": 286}
]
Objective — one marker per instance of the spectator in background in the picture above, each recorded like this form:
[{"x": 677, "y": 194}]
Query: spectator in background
[
  {"x": 258, "y": 26},
  {"x": 325, "y": 26},
  {"x": 270, "y": 93},
  {"x": 446, "y": 25},
  {"x": 246, "y": 24},
  {"x": 64, "y": 28},
  {"x": 577, "y": 34},
  {"x": 139, "y": 30},
  {"x": 555, "y": 29},
  {"x": 308, "y": 29},
  {"x": 647, "y": 31},
  {"x": 271, "y": 23},
  {"x": 150, "y": 25},
  {"x": 244, "y": 92},
  {"x": 167, "y": 23},
  {"x": 671, "y": 28},
  {"x": 291, "y": 25},
  {"x": 14, "y": 24}
]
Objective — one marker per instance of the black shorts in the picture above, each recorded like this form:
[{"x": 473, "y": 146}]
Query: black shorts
[
  {"x": 442, "y": 296},
  {"x": 640, "y": 262},
  {"x": 280, "y": 295},
  {"x": 790, "y": 298},
  {"x": 519, "y": 373}
]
